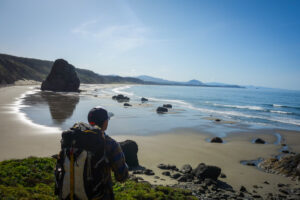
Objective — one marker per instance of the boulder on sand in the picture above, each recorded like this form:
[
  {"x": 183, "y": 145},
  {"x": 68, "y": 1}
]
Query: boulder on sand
[
  {"x": 121, "y": 98},
  {"x": 161, "y": 110},
  {"x": 62, "y": 78},
  {"x": 167, "y": 106},
  {"x": 130, "y": 149},
  {"x": 143, "y": 99},
  {"x": 216, "y": 140},
  {"x": 186, "y": 169},
  {"x": 259, "y": 141},
  {"x": 203, "y": 171}
]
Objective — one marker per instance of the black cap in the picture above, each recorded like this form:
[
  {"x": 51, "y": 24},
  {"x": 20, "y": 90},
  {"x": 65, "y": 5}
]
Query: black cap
[{"x": 98, "y": 115}]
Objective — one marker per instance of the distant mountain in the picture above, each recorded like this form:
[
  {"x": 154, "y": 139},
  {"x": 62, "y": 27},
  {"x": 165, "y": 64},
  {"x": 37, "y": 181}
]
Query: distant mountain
[
  {"x": 216, "y": 84},
  {"x": 155, "y": 80},
  {"x": 188, "y": 83},
  {"x": 194, "y": 82},
  {"x": 14, "y": 68},
  {"x": 167, "y": 82}
]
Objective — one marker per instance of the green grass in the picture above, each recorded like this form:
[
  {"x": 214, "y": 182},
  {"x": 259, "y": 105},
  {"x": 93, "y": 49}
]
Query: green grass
[{"x": 33, "y": 178}]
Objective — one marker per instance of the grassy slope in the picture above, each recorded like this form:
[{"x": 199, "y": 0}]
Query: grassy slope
[
  {"x": 14, "y": 68},
  {"x": 33, "y": 178}
]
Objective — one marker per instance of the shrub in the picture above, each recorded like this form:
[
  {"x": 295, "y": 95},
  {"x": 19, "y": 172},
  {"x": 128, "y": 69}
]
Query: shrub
[{"x": 33, "y": 178}]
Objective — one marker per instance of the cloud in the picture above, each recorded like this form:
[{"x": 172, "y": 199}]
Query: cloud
[
  {"x": 82, "y": 29},
  {"x": 120, "y": 38}
]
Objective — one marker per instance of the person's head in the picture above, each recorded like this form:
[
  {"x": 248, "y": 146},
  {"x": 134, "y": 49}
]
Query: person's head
[{"x": 99, "y": 116}]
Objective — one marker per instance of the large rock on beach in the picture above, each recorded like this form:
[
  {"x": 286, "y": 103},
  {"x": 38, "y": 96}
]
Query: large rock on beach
[
  {"x": 161, "y": 110},
  {"x": 203, "y": 171},
  {"x": 216, "y": 140},
  {"x": 130, "y": 150},
  {"x": 62, "y": 78}
]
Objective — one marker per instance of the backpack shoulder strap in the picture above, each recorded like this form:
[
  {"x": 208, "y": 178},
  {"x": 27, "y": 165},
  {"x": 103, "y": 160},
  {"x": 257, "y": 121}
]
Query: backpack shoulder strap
[{"x": 104, "y": 157}]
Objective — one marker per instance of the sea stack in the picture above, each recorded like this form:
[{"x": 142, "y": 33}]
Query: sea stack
[{"x": 62, "y": 78}]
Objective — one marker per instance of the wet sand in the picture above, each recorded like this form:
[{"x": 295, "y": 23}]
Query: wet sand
[{"x": 20, "y": 138}]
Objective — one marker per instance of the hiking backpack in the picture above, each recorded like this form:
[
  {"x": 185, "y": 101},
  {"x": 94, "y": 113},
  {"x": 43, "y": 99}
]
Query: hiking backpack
[{"x": 82, "y": 170}]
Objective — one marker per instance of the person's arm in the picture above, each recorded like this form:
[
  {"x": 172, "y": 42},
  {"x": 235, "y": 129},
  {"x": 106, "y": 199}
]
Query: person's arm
[{"x": 117, "y": 162}]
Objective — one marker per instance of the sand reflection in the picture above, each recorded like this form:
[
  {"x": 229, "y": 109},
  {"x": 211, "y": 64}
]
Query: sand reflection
[{"x": 61, "y": 106}]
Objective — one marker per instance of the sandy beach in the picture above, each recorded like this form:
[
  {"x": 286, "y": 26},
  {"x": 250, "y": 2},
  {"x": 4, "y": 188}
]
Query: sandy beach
[{"x": 20, "y": 138}]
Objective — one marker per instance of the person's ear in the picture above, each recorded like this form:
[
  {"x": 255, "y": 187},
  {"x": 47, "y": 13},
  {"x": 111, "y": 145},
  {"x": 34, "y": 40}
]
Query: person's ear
[{"x": 104, "y": 125}]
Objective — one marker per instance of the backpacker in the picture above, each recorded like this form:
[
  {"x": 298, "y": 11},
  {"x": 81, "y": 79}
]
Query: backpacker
[{"x": 82, "y": 170}]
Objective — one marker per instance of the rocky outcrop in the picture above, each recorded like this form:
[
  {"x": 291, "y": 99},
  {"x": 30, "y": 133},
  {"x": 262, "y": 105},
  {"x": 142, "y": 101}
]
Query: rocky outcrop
[
  {"x": 127, "y": 104},
  {"x": 216, "y": 140},
  {"x": 161, "y": 110},
  {"x": 121, "y": 98},
  {"x": 288, "y": 165},
  {"x": 212, "y": 188},
  {"x": 130, "y": 150},
  {"x": 187, "y": 174},
  {"x": 62, "y": 78}
]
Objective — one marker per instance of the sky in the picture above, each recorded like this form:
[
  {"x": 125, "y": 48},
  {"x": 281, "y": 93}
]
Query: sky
[{"x": 245, "y": 42}]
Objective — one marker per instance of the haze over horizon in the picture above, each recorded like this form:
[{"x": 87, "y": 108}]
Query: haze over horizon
[{"x": 247, "y": 42}]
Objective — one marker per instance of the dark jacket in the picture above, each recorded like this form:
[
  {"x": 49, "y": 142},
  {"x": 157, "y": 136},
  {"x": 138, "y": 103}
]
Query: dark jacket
[{"x": 117, "y": 164}]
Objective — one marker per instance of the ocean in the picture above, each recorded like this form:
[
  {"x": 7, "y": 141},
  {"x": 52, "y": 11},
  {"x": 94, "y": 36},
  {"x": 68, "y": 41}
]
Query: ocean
[{"x": 239, "y": 109}]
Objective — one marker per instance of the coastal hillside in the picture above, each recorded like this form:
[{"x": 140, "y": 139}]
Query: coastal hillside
[{"x": 13, "y": 68}]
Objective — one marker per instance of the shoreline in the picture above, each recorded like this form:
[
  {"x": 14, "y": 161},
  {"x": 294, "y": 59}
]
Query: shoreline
[{"x": 20, "y": 139}]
